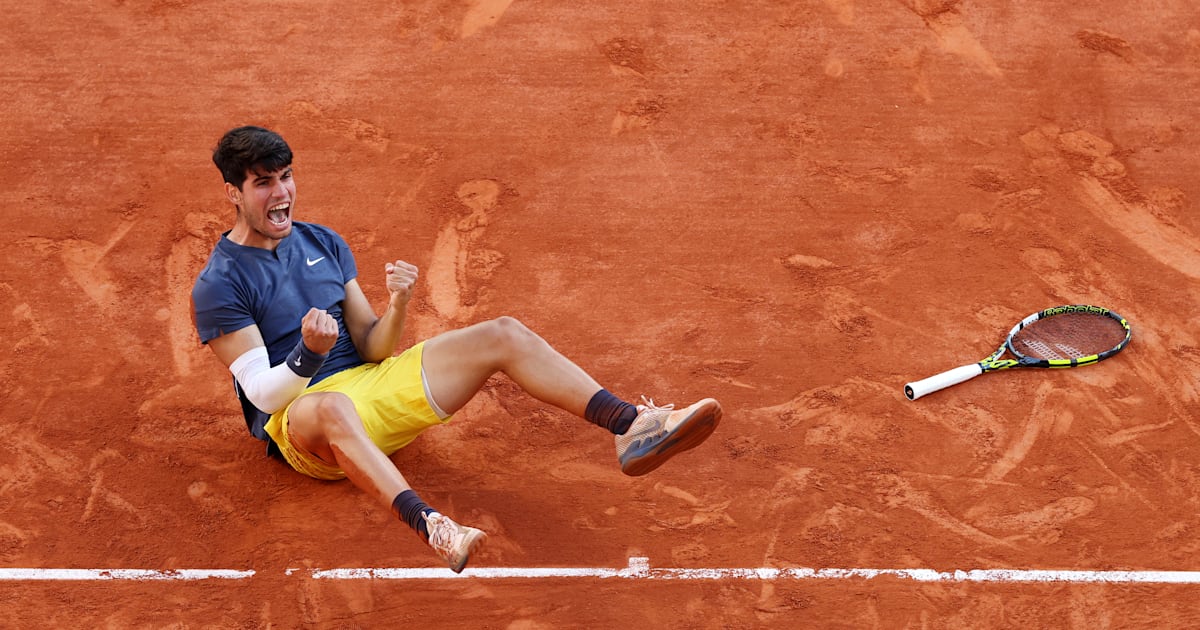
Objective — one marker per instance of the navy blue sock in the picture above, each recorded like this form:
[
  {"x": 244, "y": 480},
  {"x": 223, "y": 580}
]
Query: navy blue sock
[
  {"x": 409, "y": 507},
  {"x": 610, "y": 412}
]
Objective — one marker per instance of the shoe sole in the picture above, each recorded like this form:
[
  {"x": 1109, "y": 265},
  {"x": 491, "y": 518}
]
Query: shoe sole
[
  {"x": 474, "y": 540},
  {"x": 689, "y": 434}
]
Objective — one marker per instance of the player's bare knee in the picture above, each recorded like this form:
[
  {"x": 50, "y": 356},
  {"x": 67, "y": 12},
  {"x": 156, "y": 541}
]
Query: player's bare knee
[
  {"x": 512, "y": 334},
  {"x": 336, "y": 414}
]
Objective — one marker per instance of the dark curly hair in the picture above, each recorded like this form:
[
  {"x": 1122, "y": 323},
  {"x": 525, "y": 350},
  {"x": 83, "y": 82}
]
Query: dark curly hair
[{"x": 250, "y": 148}]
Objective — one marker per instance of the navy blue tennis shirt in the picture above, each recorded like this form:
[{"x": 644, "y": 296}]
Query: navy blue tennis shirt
[{"x": 241, "y": 285}]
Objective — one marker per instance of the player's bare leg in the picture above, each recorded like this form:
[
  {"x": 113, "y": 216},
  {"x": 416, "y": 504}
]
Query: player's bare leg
[
  {"x": 458, "y": 363},
  {"x": 327, "y": 426}
]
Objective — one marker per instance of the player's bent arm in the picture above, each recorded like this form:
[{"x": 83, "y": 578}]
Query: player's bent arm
[
  {"x": 374, "y": 337},
  {"x": 268, "y": 388}
]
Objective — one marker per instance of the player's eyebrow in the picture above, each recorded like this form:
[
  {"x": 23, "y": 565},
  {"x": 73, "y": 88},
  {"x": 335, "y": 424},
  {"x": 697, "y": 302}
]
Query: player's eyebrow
[{"x": 261, "y": 177}]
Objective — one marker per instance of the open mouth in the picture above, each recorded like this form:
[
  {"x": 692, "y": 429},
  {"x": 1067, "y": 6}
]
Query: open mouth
[{"x": 279, "y": 215}]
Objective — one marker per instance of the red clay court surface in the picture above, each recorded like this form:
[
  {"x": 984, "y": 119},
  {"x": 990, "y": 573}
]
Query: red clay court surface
[{"x": 794, "y": 207}]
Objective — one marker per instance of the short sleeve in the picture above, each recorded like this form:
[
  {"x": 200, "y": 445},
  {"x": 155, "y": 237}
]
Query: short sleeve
[{"x": 217, "y": 308}]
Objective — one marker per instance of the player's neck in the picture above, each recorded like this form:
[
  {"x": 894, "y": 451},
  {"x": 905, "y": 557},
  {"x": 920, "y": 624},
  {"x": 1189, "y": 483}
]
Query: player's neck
[{"x": 243, "y": 234}]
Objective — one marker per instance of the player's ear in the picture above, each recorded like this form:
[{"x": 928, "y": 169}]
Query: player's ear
[{"x": 233, "y": 194}]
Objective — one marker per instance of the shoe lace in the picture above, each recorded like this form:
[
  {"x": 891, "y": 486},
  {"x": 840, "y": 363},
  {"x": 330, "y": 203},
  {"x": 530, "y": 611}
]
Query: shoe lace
[
  {"x": 656, "y": 414},
  {"x": 441, "y": 532},
  {"x": 650, "y": 406}
]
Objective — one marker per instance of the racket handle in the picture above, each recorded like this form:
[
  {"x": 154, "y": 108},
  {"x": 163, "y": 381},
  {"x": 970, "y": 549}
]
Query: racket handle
[{"x": 929, "y": 385}]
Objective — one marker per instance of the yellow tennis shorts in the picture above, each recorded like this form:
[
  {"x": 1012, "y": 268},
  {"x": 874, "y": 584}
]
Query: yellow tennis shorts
[{"x": 389, "y": 397}]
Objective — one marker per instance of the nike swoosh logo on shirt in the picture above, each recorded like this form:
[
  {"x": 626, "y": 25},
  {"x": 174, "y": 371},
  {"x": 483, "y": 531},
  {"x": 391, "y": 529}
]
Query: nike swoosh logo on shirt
[{"x": 312, "y": 262}]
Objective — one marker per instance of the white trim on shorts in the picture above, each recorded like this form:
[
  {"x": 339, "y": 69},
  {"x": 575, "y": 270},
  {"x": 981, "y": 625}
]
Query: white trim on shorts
[{"x": 442, "y": 415}]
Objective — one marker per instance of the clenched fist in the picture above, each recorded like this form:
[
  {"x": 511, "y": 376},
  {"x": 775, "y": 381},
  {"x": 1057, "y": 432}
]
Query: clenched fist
[
  {"x": 401, "y": 277},
  {"x": 320, "y": 330}
]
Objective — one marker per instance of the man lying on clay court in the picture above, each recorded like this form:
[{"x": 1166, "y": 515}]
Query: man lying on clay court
[{"x": 280, "y": 305}]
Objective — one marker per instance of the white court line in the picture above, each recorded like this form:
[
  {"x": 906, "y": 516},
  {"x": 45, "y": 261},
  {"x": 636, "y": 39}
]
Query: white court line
[
  {"x": 90, "y": 575},
  {"x": 638, "y": 569}
]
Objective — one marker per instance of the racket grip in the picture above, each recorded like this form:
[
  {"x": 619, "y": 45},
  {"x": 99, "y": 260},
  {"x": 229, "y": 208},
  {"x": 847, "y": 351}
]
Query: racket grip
[{"x": 917, "y": 389}]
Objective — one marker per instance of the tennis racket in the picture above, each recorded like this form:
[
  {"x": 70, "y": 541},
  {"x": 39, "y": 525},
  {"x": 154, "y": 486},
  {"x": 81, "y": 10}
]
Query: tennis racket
[{"x": 1059, "y": 337}]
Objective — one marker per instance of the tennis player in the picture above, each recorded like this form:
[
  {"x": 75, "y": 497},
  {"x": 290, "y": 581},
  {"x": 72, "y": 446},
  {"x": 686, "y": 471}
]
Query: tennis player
[{"x": 315, "y": 368}]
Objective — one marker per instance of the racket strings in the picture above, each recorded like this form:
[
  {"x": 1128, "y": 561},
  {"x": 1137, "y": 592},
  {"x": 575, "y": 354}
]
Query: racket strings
[
  {"x": 1057, "y": 351},
  {"x": 1069, "y": 336}
]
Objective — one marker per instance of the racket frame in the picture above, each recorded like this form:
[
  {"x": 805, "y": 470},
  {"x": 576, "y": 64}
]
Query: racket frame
[{"x": 993, "y": 362}]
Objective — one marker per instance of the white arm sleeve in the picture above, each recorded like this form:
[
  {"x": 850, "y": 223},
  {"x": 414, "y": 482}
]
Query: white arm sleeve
[{"x": 269, "y": 388}]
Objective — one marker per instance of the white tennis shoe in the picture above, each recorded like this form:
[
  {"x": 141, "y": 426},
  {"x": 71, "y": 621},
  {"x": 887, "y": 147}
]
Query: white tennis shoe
[
  {"x": 453, "y": 542},
  {"x": 660, "y": 433}
]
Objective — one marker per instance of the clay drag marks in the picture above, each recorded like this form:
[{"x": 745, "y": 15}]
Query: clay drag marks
[{"x": 793, "y": 208}]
